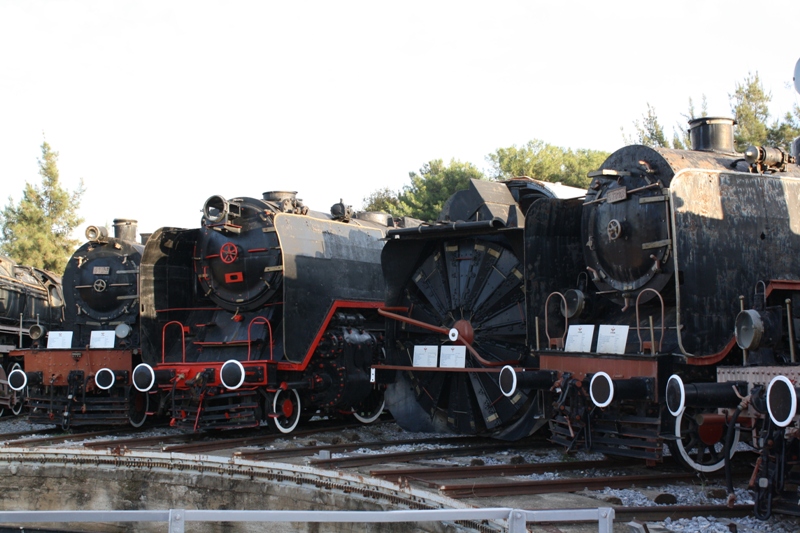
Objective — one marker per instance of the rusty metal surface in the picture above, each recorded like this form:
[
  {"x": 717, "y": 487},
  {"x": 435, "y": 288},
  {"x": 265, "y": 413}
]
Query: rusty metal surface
[
  {"x": 616, "y": 367},
  {"x": 515, "y": 487},
  {"x": 55, "y": 365}
]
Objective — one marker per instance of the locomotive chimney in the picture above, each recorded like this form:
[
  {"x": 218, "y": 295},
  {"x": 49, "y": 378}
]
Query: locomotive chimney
[
  {"x": 279, "y": 196},
  {"x": 125, "y": 229},
  {"x": 712, "y": 134}
]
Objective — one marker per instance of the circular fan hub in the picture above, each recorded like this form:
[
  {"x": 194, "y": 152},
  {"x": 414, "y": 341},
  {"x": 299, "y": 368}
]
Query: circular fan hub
[{"x": 465, "y": 331}]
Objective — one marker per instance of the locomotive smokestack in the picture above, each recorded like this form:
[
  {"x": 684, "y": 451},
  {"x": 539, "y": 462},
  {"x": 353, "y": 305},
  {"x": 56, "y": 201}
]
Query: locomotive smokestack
[
  {"x": 712, "y": 134},
  {"x": 125, "y": 229},
  {"x": 278, "y": 196}
]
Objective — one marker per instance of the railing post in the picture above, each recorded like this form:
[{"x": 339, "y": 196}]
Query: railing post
[
  {"x": 605, "y": 522},
  {"x": 177, "y": 518},
  {"x": 516, "y": 521}
]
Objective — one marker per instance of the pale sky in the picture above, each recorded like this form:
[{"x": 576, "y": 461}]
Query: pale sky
[{"x": 159, "y": 105}]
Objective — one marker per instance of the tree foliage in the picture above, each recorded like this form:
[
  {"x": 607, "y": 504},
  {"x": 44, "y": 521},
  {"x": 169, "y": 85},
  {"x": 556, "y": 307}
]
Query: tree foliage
[
  {"x": 546, "y": 162},
  {"x": 37, "y": 230},
  {"x": 424, "y": 197},
  {"x": 648, "y": 131},
  {"x": 435, "y": 183},
  {"x": 383, "y": 200},
  {"x": 750, "y": 107},
  {"x": 782, "y": 134}
]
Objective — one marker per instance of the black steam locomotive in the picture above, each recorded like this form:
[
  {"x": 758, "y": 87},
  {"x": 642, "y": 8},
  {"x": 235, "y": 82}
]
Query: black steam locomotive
[
  {"x": 681, "y": 310},
  {"x": 31, "y": 301},
  {"x": 82, "y": 376},
  {"x": 267, "y": 312},
  {"x": 456, "y": 312},
  {"x": 653, "y": 311}
]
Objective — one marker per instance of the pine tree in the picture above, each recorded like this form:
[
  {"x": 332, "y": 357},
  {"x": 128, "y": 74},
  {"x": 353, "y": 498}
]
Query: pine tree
[{"x": 37, "y": 231}]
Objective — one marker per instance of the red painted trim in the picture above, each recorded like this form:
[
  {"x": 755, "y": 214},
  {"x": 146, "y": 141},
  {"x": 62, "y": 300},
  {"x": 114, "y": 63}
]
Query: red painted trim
[
  {"x": 190, "y": 371},
  {"x": 337, "y": 304},
  {"x": 704, "y": 360}
]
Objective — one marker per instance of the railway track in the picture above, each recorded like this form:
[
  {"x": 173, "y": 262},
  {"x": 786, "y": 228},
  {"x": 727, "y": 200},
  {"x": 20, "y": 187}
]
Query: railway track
[{"x": 450, "y": 467}]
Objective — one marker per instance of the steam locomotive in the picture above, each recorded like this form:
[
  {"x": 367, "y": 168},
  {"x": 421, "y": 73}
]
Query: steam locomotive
[
  {"x": 31, "y": 301},
  {"x": 654, "y": 310},
  {"x": 82, "y": 376},
  {"x": 458, "y": 286},
  {"x": 677, "y": 246},
  {"x": 266, "y": 313}
]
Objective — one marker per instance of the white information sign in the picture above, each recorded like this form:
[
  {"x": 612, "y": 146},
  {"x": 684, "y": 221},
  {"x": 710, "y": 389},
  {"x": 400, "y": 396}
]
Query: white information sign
[
  {"x": 612, "y": 339},
  {"x": 579, "y": 338},
  {"x": 102, "y": 339},
  {"x": 426, "y": 356},
  {"x": 453, "y": 357},
  {"x": 59, "y": 339}
]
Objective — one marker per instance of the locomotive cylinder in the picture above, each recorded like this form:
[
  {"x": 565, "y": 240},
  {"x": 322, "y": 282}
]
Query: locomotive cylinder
[{"x": 718, "y": 395}]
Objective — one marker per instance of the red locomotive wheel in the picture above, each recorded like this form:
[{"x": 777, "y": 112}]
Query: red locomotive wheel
[{"x": 228, "y": 253}]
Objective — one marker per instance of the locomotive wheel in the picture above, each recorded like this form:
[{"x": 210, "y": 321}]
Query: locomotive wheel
[
  {"x": 138, "y": 405},
  {"x": 476, "y": 287},
  {"x": 699, "y": 449},
  {"x": 370, "y": 408},
  {"x": 286, "y": 405}
]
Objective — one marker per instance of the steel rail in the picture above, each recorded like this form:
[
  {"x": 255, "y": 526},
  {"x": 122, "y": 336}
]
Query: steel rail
[
  {"x": 461, "y": 472},
  {"x": 402, "y": 457},
  {"x": 305, "y": 450},
  {"x": 513, "y": 488}
]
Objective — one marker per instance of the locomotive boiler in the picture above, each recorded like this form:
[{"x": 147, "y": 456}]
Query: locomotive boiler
[
  {"x": 31, "y": 301},
  {"x": 680, "y": 306},
  {"x": 456, "y": 312},
  {"x": 82, "y": 375},
  {"x": 266, "y": 313}
]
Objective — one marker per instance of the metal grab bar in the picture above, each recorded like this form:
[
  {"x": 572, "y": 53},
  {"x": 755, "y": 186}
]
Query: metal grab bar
[{"x": 164, "y": 341}]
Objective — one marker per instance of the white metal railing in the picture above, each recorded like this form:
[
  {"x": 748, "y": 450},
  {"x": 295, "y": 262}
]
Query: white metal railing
[{"x": 176, "y": 518}]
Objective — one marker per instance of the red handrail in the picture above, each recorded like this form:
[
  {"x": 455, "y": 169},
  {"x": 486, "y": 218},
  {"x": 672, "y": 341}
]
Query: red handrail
[
  {"x": 164, "y": 337},
  {"x": 259, "y": 319}
]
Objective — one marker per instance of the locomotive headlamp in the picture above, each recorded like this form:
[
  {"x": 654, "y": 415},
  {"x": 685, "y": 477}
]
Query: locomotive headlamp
[
  {"x": 105, "y": 378},
  {"x": 17, "y": 379},
  {"x": 749, "y": 329},
  {"x": 216, "y": 209},
  {"x": 97, "y": 234},
  {"x": 144, "y": 377},
  {"x": 781, "y": 401},
  {"x": 37, "y": 332},
  {"x": 232, "y": 374},
  {"x": 122, "y": 331},
  {"x": 576, "y": 301}
]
